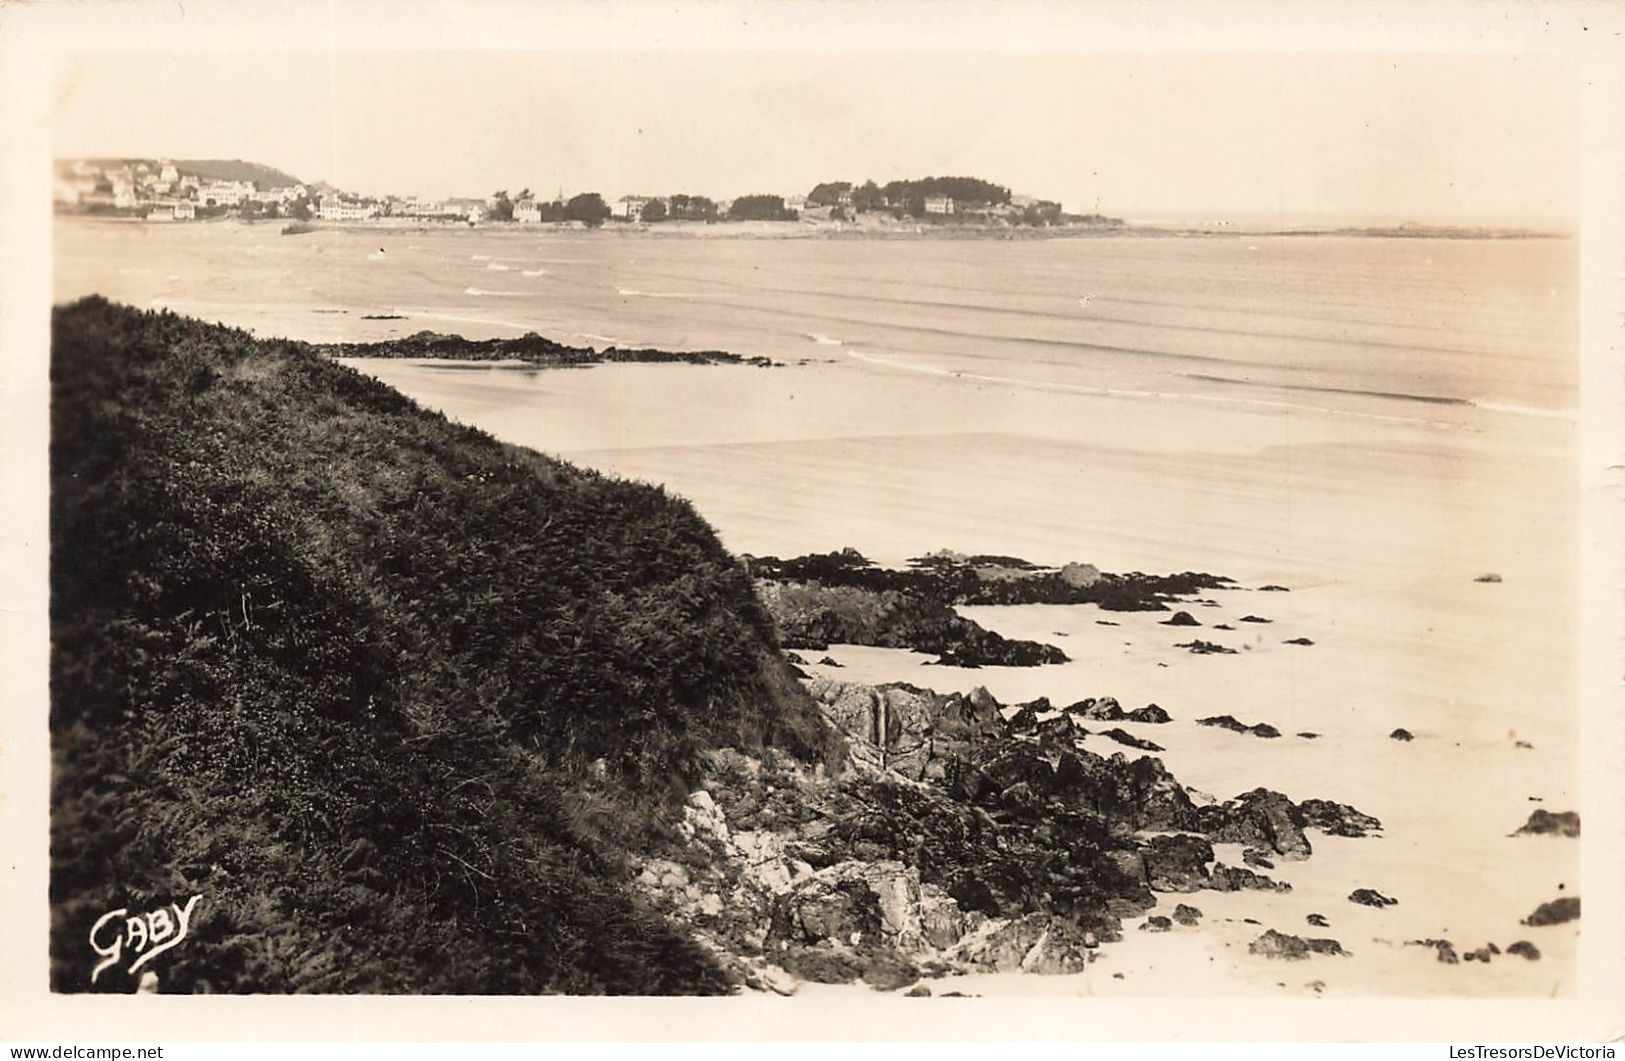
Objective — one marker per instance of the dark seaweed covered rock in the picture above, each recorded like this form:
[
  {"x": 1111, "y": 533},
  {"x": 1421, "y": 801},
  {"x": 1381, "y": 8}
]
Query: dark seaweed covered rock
[
  {"x": 1254, "y": 619},
  {"x": 1443, "y": 949},
  {"x": 1235, "y": 879},
  {"x": 1371, "y": 897},
  {"x": 1318, "y": 920},
  {"x": 1129, "y": 739},
  {"x": 1260, "y": 818},
  {"x": 1556, "y": 912},
  {"x": 1104, "y": 709},
  {"x": 1149, "y": 713},
  {"x": 1187, "y": 915},
  {"x": 1339, "y": 819},
  {"x": 1156, "y": 923},
  {"x": 1273, "y": 944},
  {"x": 1547, "y": 823},
  {"x": 1402, "y": 734},
  {"x": 1181, "y": 619},
  {"x": 1177, "y": 863},
  {"x": 1206, "y": 648},
  {"x": 1526, "y": 950}
]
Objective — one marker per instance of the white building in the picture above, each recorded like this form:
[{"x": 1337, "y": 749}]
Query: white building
[
  {"x": 632, "y": 206},
  {"x": 225, "y": 193},
  {"x": 184, "y": 211},
  {"x": 333, "y": 210},
  {"x": 167, "y": 175},
  {"x": 528, "y": 211},
  {"x": 939, "y": 205}
]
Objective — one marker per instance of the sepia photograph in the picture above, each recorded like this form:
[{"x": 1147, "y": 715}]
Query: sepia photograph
[{"x": 833, "y": 520}]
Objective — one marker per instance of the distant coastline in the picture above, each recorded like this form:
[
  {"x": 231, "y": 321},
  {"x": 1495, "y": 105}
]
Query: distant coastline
[{"x": 847, "y": 231}]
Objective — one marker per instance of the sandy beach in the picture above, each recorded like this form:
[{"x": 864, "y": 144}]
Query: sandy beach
[{"x": 1371, "y": 423}]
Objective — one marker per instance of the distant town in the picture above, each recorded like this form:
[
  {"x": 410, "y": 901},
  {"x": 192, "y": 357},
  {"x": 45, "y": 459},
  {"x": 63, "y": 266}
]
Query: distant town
[{"x": 164, "y": 190}]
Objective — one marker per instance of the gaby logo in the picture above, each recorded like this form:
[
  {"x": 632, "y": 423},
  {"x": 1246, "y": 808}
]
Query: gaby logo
[{"x": 145, "y": 935}]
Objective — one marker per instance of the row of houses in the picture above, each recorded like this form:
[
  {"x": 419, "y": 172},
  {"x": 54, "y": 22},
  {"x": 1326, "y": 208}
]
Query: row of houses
[{"x": 160, "y": 190}]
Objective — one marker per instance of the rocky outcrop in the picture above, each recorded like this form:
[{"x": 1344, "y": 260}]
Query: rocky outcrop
[
  {"x": 1402, "y": 734},
  {"x": 1181, "y": 619},
  {"x": 1548, "y": 823},
  {"x": 1150, "y": 713},
  {"x": 956, "y": 840},
  {"x": 1186, "y": 915},
  {"x": 1125, "y": 738},
  {"x": 1371, "y": 897},
  {"x": 1526, "y": 950}
]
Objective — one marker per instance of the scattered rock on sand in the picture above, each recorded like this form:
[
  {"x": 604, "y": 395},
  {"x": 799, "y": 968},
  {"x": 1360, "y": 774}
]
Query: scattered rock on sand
[
  {"x": 1339, "y": 819},
  {"x": 1524, "y": 949},
  {"x": 1234, "y": 878},
  {"x": 1156, "y": 923},
  {"x": 1482, "y": 954},
  {"x": 1177, "y": 863},
  {"x": 1254, "y": 619},
  {"x": 1488, "y": 576},
  {"x": 888, "y": 971},
  {"x": 1546, "y": 823},
  {"x": 1443, "y": 949},
  {"x": 1309, "y": 735},
  {"x": 1187, "y": 915},
  {"x": 1318, "y": 920},
  {"x": 1402, "y": 734},
  {"x": 1555, "y": 912},
  {"x": 1181, "y": 619},
  {"x": 1235, "y": 725},
  {"x": 1371, "y": 897},
  {"x": 828, "y": 661},
  {"x": 1223, "y": 626},
  {"x": 1124, "y": 737},
  {"x": 1297, "y": 641},
  {"x": 1149, "y": 713},
  {"x": 1206, "y": 648},
  {"x": 1273, "y": 589},
  {"x": 1273, "y": 944},
  {"x": 795, "y": 657},
  {"x": 1254, "y": 856}
]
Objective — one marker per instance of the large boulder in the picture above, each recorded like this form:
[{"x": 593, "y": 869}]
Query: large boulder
[
  {"x": 1177, "y": 863},
  {"x": 1260, "y": 817}
]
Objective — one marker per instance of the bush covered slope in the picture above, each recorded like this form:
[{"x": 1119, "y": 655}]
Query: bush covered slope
[{"x": 392, "y": 697}]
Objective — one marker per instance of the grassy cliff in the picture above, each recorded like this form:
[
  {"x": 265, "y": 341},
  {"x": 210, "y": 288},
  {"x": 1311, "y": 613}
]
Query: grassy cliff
[{"x": 394, "y": 698}]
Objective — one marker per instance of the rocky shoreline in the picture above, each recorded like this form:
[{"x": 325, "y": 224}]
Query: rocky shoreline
[
  {"x": 963, "y": 835},
  {"x": 844, "y": 597}
]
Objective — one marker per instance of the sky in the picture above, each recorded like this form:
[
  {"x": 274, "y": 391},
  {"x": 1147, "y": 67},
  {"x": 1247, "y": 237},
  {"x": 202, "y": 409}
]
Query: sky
[{"x": 1200, "y": 136}]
